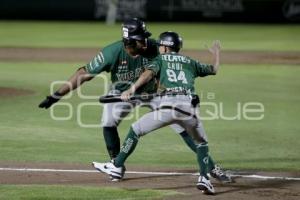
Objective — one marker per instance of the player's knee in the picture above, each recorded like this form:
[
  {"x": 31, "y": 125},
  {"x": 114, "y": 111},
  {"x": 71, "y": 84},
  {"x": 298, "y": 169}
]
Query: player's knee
[
  {"x": 184, "y": 134},
  {"x": 109, "y": 123},
  {"x": 137, "y": 129},
  {"x": 177, "y": 128}
]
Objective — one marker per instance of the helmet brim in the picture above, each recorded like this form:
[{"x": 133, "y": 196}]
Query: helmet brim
[{"x": 140, "y": 36}]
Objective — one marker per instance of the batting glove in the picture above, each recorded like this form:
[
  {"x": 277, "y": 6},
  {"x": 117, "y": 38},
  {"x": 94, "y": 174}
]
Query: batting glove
[{"x": 47, "y": 103}]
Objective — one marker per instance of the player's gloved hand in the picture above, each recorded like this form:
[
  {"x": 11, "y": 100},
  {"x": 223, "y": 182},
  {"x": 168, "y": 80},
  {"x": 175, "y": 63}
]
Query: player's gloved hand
[
  {"x": 50, "y": 100},
  {"x": 125, "y": 96}
]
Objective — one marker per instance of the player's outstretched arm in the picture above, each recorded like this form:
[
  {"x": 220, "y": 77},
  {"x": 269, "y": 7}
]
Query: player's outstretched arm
[
  {"x": 77, "y": 79},
  {"x": 80, "y": 76},
  {"x": 215, "y": 51},
  {"x": 145, "y": 77}
]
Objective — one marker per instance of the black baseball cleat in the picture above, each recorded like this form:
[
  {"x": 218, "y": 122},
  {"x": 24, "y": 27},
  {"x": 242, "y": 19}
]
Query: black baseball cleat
[{"x": 220, "y": 175}]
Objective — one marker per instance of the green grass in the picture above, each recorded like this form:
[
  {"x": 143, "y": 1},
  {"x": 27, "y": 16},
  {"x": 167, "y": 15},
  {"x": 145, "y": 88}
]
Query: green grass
[
  {"x": 29, "y": 134},
  {"x": 97, "y": 34},
  {"x": 76, "y": 192}
]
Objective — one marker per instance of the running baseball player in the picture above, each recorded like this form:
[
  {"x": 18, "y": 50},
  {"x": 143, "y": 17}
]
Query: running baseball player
[
  {"x": 124, "y": 60},
  {"x": 176, "y": 74}
]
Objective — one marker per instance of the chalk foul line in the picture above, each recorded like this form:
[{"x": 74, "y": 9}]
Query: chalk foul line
[{"x": 252, "y": 176}]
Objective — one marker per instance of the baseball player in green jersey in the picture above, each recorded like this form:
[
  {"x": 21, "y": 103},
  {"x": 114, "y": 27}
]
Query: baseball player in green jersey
[
  {"x": 176, "y": 74},
  {"x": 124, "y": 60}
]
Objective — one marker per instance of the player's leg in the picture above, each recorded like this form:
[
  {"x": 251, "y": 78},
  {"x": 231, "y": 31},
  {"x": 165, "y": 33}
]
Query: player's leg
[
  {"x": 185, "y": 136},
  {"x": 112, "y": 115},
  {"x": 153, "y": 104},
  {"x": 184, "y": 115},
  {"x": 202, "y": 132},
  {"x": 144, "y": 125},
  {"x": 189, "y": 141},
  {"x": 148, "y": 123},
  {"x": 201, "y": 145},
  {"x": 200, "y": 138},
  {"x": 214, "y": 170}
]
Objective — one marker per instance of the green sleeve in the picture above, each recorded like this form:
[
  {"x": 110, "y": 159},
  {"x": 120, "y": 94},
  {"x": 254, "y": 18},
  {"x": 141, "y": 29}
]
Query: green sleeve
[
  {"x": 203, "y": 69},
  {"x": 154, "y": 66},
  {"x": 104, "y": 60}
]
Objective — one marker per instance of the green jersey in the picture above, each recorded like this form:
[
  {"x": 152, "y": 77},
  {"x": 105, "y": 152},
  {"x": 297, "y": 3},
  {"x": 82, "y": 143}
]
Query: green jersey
[
  {"x": 124, "y": 69},
  {"x": 177, "y": 73}
]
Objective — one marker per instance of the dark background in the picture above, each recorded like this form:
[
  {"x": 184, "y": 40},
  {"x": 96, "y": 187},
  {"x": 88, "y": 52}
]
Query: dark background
[{"x": 282, "y": 11}]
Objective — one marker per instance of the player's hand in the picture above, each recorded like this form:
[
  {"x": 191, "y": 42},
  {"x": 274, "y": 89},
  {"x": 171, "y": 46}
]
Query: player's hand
[
  {"x": 49, "y": 101},
  {"x": 125, "y": 96},
  {"x": 215, "y": 48}
]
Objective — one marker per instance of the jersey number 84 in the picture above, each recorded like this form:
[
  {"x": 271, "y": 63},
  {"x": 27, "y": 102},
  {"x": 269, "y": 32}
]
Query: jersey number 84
[{"x": 172, "y": 76}]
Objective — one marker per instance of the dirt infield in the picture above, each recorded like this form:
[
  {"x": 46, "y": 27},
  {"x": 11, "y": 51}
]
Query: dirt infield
[
  {"x": 12, "y": 92},
  {"x": 85, "y": 55},
  {"x": 242, "y": 188}
]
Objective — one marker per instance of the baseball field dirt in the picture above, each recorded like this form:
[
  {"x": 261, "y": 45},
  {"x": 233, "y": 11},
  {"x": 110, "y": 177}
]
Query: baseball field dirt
[
  {"x": 11, "y": 92},
  {"x": 242, "y": 188}
]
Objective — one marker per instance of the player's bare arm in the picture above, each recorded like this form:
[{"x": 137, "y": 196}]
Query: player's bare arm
[
  {"x": 145, "y": 77},
  {"x": 80, "y": 76},
  {"x": 215, "y": 51}
]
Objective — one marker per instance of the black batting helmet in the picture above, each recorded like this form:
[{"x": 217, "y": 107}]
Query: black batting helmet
[
  {"x": 170, "y": 39},
  {"x": 135, "y": 29}
]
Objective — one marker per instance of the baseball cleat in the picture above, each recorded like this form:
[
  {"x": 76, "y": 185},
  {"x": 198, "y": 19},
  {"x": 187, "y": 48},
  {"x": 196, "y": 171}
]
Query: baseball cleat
[
  {"x": 115, "y": 173},
  {"x": 116, "y": 179},
  {"x": 205, "y": 186},
  {"x": 220, "y": 175}
]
